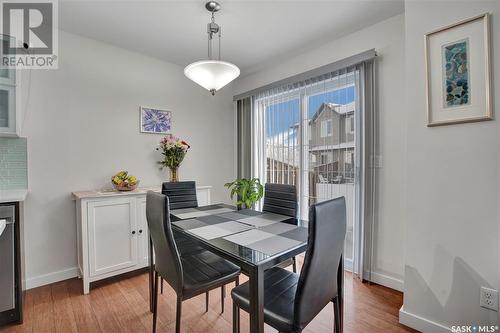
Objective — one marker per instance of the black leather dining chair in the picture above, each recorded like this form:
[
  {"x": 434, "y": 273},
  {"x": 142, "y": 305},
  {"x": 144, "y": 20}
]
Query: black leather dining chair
[
  {"x": 291, "y": 301},
  {"x": 189, "y": 275},
  {"x": 180, "y": 194},
  {"x": 282, "y": 199}
]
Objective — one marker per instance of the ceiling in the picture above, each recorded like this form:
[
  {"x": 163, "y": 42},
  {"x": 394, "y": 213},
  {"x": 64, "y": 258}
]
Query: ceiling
[{"x": 254, "y": 33}]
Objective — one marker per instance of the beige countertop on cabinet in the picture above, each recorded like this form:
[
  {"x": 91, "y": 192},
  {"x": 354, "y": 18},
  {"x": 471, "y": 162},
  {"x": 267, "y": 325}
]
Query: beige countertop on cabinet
[{"x": 108, "y": 193}]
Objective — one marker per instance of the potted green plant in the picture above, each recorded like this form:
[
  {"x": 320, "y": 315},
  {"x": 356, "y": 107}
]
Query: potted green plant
[{"x": 248, "y": 191}]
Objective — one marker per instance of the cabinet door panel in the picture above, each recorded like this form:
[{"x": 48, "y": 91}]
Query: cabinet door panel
[
  {"x": 112, "y": 244},
  {"x": 7, "y": 109},
  {"x": 7, "y": 75},
  {"x": 142, "y": 224}
]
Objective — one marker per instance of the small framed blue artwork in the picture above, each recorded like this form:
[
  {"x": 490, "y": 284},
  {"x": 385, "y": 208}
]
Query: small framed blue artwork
[
  {"x": 456, "y": 74},
  {"x": 458, "y": 62},
  {"x": 155, "y": 121}
]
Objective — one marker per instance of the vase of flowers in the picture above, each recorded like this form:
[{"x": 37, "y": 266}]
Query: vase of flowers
[{"x": 173, "y": 150}]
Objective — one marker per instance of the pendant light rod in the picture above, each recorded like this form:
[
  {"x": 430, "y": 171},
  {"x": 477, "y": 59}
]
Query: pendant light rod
[{"x": 213, "y": 28}]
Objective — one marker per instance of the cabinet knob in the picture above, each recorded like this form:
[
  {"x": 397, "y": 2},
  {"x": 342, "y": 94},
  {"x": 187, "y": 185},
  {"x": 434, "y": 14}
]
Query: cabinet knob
[
  {"x": 133, "y": 232},
  {"x": 140, "y": 231}
]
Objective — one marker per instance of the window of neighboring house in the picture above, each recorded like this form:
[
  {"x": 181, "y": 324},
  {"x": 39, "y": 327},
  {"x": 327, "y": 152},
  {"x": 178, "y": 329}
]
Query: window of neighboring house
[
  {"x": 325, "y": 158},
  {"x": 349, "y": 165},
  {"x": 326, "y": 128},
  {"x": 348, "y": 160}
]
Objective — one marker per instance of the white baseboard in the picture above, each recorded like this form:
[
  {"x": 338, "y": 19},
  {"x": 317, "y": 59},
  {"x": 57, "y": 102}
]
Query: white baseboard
[
  {"x": 386, "y": 281},
  {"x": 41, "y": 280},
  {"x": 420, "y": 324},
  {"x": 378, "y": 278}
]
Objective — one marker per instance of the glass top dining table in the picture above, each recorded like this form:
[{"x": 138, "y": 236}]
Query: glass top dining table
[
  {"x": 247, "y": 236},
  {"x": 254, "y": 241}
]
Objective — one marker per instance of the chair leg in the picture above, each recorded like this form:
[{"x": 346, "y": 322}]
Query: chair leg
[
  {"x": 155, "y": 301},
  {"x": 178, "y": 315},
  {"x": 237, "y": 282},
  {"x": 336, "y": 313},
  {"x": 222, "y": 296},
  {"x": 294, "y": 265},
  {"x": 162, "y": 286},
  {"x": 236, "y": 318},
  {"x": 206, "y": 301}
]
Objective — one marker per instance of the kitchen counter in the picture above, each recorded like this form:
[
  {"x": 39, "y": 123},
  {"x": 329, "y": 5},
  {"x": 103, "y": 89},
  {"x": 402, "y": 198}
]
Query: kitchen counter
[{"x": 13, "y": 195}]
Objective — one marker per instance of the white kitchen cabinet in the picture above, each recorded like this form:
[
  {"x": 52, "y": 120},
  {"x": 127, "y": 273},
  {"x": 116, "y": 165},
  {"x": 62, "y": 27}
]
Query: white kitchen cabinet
[
  {"x": 112, "y": 232},
  {"x": 9, "y": 122}
]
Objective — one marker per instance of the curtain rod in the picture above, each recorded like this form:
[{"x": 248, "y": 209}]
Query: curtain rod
[{"x": 334, "y": 66}]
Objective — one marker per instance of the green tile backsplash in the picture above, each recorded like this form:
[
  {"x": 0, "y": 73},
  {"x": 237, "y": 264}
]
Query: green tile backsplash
[{"x": 13, "y": 163}]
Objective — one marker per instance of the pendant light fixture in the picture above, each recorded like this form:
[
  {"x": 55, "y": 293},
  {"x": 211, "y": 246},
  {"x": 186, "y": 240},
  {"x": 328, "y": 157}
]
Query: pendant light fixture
[{"x": 212, "y": 74}]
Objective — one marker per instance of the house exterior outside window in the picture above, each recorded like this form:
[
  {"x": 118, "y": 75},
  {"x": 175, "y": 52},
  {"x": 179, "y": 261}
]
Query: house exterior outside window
[{"x": 331, "y": 142}]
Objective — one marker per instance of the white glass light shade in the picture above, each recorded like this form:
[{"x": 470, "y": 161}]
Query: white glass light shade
[{"x": 212, "y": 74}]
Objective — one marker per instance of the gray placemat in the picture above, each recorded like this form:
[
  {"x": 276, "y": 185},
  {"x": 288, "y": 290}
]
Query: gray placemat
[
  {"x": 274, "y": 217},
  {"x": 190, "y": 215},
  {"x": 234, "y": 226},
  {"x": 273, "y": 245},
  {"x": 211, "y": 232},
  {"x": 216, "y": 206},
  {"x": 278, "y": 228},
  {"x": 213, "y": 219},
  {"x": 247, "y": 237},
  {"x": 190, "y": 224},
  {"x": 218, "y": 211},
  {"x": 249, "y": 212},
  {"x": 234, "y": 216},
  {"x": 183, "y": 210},
  {"x": 257, "y": 221},
  {"x": 300, "y": 234}
]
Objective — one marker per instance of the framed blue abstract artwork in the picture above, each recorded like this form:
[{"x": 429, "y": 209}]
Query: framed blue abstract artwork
[
  {"x": 155, "y": 121},
  {"x": 458, "y": 73}
]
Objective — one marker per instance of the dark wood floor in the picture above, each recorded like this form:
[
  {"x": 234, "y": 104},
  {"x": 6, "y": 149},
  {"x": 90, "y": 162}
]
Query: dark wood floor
[{"x": 121, "y": 305}]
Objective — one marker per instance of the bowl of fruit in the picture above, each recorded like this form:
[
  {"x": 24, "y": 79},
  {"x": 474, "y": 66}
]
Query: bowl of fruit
[{"x": 122, "y": 181}]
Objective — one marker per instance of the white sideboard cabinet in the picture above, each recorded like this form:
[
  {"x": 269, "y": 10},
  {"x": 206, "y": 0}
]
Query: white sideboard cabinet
[{"x": 112, "y": 232}]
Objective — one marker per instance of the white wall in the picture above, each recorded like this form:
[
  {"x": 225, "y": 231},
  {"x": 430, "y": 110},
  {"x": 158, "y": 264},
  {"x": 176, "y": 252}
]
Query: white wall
[
  {"x": 452, "y": 232},
  {"x": 387, "y": 38},
  {"x": 82, "y": 126}
]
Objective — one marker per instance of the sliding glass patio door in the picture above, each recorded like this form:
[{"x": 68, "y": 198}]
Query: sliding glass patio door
[{"x": 311, "y": 140}]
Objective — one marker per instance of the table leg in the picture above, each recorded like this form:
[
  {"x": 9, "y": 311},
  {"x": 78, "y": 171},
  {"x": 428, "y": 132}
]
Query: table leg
[
  {"x": 151, "y": 279},
  {"x": 257, "y": 301}
]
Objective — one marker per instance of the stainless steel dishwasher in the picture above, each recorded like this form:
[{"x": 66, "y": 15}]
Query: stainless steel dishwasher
[
  {"x": 7, "y": 255},
  {"x": 10, "y": 287}
]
